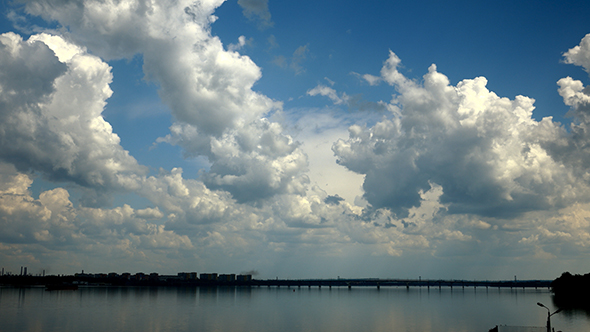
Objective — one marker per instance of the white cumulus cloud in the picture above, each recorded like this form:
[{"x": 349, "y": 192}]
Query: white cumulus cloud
[
  {"x": 486, "y": 152},
  {"x": 52, "y": 122}
]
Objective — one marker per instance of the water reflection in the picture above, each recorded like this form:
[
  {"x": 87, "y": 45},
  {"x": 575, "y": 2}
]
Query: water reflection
[{"x": 272, "y": 309}]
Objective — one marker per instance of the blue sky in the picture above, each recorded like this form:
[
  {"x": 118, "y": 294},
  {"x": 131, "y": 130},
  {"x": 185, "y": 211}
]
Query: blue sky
[
  {"x": 517, "y": 46},
  {"x": 298, "y": 139}
]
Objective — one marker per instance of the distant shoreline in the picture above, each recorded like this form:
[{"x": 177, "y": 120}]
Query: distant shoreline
[{"x": 182, "y": 281}]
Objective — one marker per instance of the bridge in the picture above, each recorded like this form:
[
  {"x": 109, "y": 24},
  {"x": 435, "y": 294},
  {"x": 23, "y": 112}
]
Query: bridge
[{"x": 378, "y": 283}]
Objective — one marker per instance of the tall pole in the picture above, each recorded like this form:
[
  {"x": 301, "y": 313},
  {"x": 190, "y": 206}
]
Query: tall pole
[{"x": 549, "y": 314}]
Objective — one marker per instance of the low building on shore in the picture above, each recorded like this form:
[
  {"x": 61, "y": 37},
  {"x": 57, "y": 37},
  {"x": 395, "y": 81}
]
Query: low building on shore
[{"x": 208, "y": 276}]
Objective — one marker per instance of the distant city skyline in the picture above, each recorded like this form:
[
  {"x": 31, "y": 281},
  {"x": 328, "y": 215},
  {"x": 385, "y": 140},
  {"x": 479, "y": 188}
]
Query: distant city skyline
[{"x": 296, "y": 139}]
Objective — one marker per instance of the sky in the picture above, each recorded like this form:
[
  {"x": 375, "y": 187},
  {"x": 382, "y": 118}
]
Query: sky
[{"x": 296, "y": 139}]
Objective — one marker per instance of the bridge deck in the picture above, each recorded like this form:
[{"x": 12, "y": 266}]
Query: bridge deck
[{"x": 401, "y": 283}]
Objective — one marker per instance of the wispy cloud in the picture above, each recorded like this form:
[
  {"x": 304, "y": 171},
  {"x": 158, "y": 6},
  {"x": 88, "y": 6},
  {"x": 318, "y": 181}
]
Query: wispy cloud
[{"x": 257, "y": 10}]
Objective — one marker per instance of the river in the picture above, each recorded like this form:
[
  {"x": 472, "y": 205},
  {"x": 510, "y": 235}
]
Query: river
[{"x": 93, "y": 309}]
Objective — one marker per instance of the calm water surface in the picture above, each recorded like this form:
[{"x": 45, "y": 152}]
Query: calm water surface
[{"x": 278, "y": 309}]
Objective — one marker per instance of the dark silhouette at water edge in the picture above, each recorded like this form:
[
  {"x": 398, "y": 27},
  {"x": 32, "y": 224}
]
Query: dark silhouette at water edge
[
  {"x": 214, "y": 280},
  {"x": 572, "y": 291}
]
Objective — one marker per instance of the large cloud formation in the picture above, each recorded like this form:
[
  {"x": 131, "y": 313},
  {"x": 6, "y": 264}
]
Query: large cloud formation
[
  {"x": 53, "y": 94},
  {"x": 208, "y": 88},
  {"x": 51, "y": 232},
  {"x": 488, "y": 153},
  {"x": 449, "y": 171}
]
